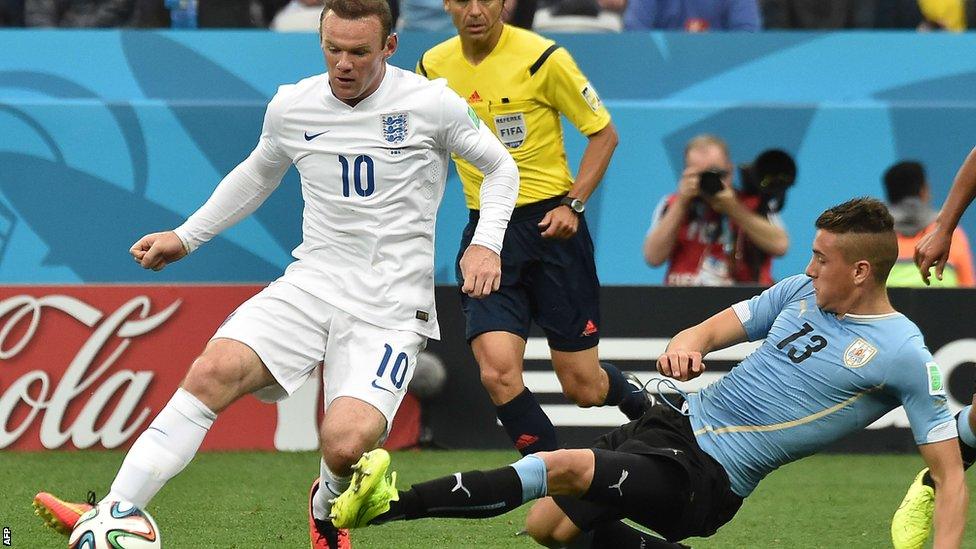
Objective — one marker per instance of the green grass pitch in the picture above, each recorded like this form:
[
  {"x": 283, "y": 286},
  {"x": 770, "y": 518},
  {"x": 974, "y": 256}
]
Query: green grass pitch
[{"x": 258, "y": 499}]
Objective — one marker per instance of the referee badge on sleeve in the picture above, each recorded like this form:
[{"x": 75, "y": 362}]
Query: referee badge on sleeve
[
  {"x": 591, "y": 97},
  {"x": 936, "y": 386}
]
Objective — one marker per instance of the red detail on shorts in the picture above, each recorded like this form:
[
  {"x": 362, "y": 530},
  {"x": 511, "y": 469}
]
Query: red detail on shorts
[
  {"x": 525, "y": 441},
  {"x": 474, "y": 97},
  {"x": 590, "y": 328}
]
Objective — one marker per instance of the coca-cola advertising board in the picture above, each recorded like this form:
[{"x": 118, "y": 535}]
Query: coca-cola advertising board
[{"x": 90, "y": 366}]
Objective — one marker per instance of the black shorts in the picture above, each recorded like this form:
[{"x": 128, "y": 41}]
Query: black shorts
[
  {"x": 703, "y": 497},
  {"x": 551, "y": 282}
]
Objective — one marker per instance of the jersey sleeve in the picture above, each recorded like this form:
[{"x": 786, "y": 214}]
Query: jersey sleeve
[
  {"x": 916, "y": 381},
  {"x": 758, "y": 313},
  {"x": 245, "y": 188},
  {"x": 568, "y": 91},
  {"x": 465, "y": 135}
]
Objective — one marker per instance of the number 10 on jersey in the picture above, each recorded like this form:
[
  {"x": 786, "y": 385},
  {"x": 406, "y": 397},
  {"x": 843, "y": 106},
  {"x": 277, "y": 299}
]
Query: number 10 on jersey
[{"x": 359, "y": 165}]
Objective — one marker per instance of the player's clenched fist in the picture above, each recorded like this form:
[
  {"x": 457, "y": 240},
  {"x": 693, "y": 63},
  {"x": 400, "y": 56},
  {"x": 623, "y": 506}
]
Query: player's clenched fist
[
  {"x": 155, "y": 251},
  {"x": 680, "y": 365},
  {"x": 481, "y": 269}
]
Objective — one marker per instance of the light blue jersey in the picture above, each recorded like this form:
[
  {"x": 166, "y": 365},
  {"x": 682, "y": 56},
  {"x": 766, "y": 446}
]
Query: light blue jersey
[{"x": 815, "y": 379}]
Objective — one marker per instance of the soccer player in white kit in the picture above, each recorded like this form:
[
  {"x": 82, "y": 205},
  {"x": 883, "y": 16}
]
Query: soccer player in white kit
[{"x": 371, "y": 143}]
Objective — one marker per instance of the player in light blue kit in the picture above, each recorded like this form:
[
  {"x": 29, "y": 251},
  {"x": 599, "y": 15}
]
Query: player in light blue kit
[{"x": 836, "y": 357}]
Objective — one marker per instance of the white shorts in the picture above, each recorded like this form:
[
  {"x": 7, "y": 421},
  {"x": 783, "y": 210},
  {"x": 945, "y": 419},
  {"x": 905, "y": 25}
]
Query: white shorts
[{"x": 292, "y": 332}]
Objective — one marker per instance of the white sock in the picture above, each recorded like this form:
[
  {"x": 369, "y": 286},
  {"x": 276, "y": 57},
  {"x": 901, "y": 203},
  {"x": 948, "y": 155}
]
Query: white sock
[
  {"x": 330, "y": 486},
  {"x": 163, "y": 449}
]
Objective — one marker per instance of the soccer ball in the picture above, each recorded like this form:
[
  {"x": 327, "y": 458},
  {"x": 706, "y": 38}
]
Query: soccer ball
[{"x": 115, "y": 525}]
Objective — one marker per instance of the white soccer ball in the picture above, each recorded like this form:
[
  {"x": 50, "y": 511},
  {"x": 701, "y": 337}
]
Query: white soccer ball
[{"x": 115, "y": 525}]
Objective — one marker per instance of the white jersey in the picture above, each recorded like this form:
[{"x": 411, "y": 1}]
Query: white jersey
[{"x": 372, "y": 178}]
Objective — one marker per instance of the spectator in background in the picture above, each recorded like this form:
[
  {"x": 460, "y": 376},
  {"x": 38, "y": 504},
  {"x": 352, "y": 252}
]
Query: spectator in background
[
  {"x": 823, "y": 14},
  {"x": 943, "y": 14},
  {"x": 298, "y": 16},
  {"x": 11, "y": 13},
  {"x": 425, "y": 15},
  {"x": 77, "y": 13},
  {"x": 688, "y": 15},
  {"x": 909, "y": 200},
  {"x": 709, "y": 234}
]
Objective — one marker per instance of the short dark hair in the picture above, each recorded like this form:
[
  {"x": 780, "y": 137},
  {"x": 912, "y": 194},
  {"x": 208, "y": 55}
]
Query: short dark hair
[
  {"x": 358, "y": 9},
  {"x": 870, "y": 224},
  {"x": 904, "y": 180}
]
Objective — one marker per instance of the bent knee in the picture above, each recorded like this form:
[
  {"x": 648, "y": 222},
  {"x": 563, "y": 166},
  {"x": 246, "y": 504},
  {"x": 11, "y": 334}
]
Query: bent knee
[
  {"x": 583, "y": 394},
  {"x": 215, "y": 380},
  {"x": 548, "y": 526},
  {"x": 502, "y": 381},
  {"x": 341, "y": 456}
]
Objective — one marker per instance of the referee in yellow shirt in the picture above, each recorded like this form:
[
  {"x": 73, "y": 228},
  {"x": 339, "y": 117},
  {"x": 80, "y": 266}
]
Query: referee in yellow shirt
[{"x": 519, "y": 83}]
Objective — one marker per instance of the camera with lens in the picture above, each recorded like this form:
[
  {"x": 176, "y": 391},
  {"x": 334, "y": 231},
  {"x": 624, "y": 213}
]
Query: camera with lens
[
  {"x": 769, "y": 175},
  {"x": 710, "y": 181}
]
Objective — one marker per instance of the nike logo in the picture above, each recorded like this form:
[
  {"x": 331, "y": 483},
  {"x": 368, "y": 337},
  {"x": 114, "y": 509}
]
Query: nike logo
[
  {"x": 313, "y": 136},
  {"x": 623, "y": 477},
  {"x": 382, "y": 388},
  {"x": 459, "y": 485}
]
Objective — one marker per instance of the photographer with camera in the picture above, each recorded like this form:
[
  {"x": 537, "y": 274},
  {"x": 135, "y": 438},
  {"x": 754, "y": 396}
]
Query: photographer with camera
[{"x": 710, "y": 233}]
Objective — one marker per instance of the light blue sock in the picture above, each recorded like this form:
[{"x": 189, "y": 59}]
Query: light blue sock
[
  {"x": 966, "y": 434},
  {"x": 531, "y": 470}
]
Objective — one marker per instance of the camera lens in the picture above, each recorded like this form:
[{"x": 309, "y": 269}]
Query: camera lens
[{"x": 710, "y": 181}]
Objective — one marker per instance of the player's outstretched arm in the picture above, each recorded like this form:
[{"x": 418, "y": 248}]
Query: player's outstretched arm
[
  {"x": 933, "y": 249},
  {"x": 156, "y": 250},
  {"x": 481, "y": 269},
  {"x": 682, "y": 360},
  {"x": 951, "y": 494}
]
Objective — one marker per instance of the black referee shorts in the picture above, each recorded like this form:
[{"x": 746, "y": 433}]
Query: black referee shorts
[
  {"x": 551, "y": 282},
  {"x": 690, "y": 490}
]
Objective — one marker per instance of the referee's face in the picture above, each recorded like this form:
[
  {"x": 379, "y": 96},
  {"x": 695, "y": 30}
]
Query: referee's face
[
  {"x": 476, "y": 20},
  {"x": 355, "y": 54}
]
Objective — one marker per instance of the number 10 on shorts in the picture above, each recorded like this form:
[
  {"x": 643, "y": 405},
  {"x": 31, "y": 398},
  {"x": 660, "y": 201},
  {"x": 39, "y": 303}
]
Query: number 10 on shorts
[{"x": 398, "y": 373}]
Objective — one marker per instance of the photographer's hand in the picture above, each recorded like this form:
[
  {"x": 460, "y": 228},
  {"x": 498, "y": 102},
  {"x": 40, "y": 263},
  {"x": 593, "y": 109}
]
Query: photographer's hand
[
  {"x": 688, "y": 185},
  {"x": 723, "y": 201}
]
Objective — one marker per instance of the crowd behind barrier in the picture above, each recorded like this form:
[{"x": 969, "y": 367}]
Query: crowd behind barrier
[{"x": 542, "y": 15}]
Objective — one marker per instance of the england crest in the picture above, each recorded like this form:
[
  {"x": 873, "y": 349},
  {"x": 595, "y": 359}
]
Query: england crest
[
  {"x": 859, "y": 353},
  {"x": 394, "y": 127}
]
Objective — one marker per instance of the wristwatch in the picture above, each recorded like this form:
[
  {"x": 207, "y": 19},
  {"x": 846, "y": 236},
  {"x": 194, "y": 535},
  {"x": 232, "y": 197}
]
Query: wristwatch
[{"x": 574, "y": 204}]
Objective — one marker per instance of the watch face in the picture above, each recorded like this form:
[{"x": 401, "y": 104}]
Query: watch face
[{"x": 577, "y": 205}]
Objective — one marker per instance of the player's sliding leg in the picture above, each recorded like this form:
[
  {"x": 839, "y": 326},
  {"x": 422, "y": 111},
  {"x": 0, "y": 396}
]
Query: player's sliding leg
[
  {"x": 912, "y": 523},
  {"x": 373, "y": 498},
  {"x": 548, "y": 525},
  {"x": 225, "y": 371}
]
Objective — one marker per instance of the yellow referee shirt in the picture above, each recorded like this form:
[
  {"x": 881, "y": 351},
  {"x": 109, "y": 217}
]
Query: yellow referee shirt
[{"x": 519, "y": 91}]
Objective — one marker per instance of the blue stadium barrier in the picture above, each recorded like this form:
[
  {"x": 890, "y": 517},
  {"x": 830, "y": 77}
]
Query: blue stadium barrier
[{"x": 106, "y": 135}]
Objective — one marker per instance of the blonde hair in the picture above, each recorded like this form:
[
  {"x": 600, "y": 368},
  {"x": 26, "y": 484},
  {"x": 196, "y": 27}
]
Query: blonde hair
[{"x": 706, "y": 140}]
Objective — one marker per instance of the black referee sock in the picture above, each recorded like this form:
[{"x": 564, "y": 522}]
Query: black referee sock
[
  {"x": 527, "y": 425},
  {"x": 618, "y": 534},
  {"x": 619, "y": 388},
  {"x": 474, "y": 494}
]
